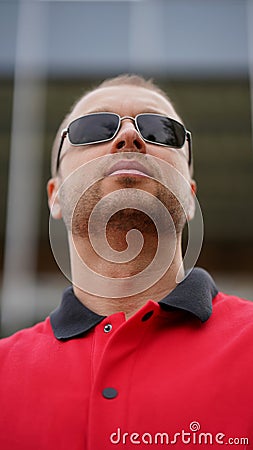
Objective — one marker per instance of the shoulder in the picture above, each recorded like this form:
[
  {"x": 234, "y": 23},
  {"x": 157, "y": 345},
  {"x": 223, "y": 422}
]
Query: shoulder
[
  {"x": 233, "y": 305},
  {"x": 26, "y": 340},
  {"x": 233, "y": 314}
]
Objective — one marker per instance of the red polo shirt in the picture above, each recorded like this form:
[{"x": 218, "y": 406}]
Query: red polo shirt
[{"x": 177, "y": 374}]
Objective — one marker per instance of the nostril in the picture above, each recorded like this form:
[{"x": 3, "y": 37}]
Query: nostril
[
  {"x": 120, "y": 144},
  {"x": 129, "y": 140},
  {"x": 137, "y": 144}
]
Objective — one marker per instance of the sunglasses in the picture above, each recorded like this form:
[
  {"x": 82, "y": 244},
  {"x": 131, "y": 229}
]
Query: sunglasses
[{"x": 101, "y": 127}]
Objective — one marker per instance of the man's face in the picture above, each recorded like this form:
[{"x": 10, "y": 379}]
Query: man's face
[{"x": 115, "y": 163}]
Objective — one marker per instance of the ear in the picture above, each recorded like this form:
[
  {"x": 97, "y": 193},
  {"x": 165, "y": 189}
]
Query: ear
[
  {"x": 191, "y": 210},
  {"x": 53, "y": 198}
]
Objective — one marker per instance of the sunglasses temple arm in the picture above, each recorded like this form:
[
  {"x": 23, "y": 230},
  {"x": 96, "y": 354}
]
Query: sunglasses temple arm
[
  {"x": 189, "y": 140},
  {"x": 64, "y": 134}
]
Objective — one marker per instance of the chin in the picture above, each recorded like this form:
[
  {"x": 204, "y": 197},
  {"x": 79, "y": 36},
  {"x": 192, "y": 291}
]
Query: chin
[{"x": 115, "y": 182}]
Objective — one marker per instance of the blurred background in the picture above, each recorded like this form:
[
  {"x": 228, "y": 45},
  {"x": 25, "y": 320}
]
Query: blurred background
[{"x": 199, "y": 52}]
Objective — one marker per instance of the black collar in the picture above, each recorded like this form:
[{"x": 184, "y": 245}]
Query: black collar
[{"x": 194, "y": 294}]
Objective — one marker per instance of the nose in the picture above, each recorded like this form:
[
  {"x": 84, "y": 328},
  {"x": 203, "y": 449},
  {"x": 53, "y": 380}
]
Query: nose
[{"x": 128, "y": 139}]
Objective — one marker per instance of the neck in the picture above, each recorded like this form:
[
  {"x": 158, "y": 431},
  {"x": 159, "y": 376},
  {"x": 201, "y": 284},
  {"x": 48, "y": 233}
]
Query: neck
[{"x": 119, "y": 279}]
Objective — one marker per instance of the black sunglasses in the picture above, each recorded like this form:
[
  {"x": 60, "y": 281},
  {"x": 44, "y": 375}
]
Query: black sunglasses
[{"x": 103, "y": 126}]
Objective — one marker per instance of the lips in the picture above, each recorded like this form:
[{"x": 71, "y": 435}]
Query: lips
[{"x": 129, "y": 168}]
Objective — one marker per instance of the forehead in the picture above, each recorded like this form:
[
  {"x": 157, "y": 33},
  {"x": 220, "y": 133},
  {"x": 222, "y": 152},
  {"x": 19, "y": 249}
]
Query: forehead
[{"x": 124, "y": 100}]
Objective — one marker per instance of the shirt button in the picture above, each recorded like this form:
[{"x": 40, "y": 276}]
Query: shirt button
[
  {"x": 107, "y": 328},
  {"x": 147, "y": 316},
  {"x": 109, "y": 393}
]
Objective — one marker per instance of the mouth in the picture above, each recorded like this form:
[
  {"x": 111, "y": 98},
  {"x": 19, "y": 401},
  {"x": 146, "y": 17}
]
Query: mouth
[{"x": 128, "y": 168}]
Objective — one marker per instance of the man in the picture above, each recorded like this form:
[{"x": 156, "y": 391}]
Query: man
[{"x": 138, "y": 352}]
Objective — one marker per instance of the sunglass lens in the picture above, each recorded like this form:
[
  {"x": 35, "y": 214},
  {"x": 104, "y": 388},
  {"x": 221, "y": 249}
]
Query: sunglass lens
[
  {"x": 93, "y": 128},
  {"x": 161, "y": 130}
]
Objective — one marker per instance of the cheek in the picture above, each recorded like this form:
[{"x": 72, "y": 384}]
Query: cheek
[
  {"x": 174, "y": 159},
  {"x": 175, "y": 176},
  {"x": 78, "y": 156}
]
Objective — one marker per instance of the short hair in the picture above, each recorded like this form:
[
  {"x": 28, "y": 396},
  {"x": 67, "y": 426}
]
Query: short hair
[
  {"x": 134, "y": 80},
  {"x": 120, "y": 80}
]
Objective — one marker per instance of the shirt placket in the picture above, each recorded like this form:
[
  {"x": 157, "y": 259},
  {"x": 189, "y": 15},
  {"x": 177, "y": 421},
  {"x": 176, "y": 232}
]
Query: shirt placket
[{"x": 115, "y": 352}]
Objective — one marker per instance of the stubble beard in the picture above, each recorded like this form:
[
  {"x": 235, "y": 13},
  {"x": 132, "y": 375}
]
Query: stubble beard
[{"x": 76, "y": 214}]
